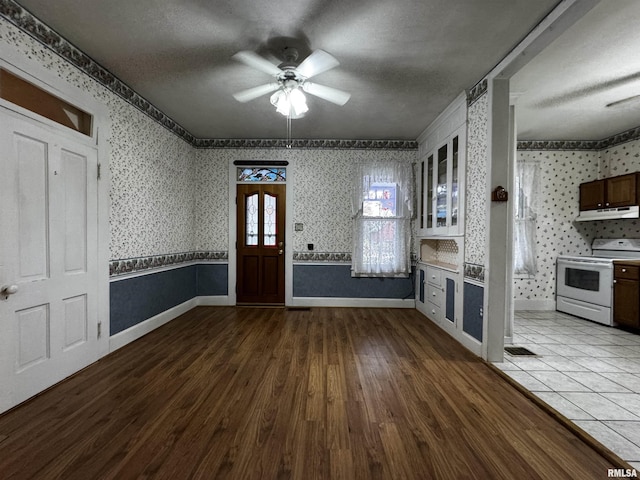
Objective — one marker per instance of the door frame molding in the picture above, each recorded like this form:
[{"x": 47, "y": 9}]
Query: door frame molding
[
  {"x": 14, "y": 61},
  {"x": 288, "y": 233}
]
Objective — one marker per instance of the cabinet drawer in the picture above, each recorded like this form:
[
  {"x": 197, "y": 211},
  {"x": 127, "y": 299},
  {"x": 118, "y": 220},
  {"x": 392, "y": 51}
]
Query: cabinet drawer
[
  {"x": 434, "y": 276},
  {"x": 434, "y": 295},
  {"x": 626, "y": 271},
  {"x": 434, "y": 312}
]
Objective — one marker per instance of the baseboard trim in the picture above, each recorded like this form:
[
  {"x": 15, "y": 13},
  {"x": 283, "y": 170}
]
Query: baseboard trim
[
  {"x": 131, "y": 334},
  {"x": 213, "y": 301},
  {"x": 545, "y": 304},
  {"x": 353, "y": 302}
]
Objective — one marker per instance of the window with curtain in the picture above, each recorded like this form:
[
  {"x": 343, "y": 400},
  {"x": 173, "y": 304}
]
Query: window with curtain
[
  {"x": 526, "y": 186},
  {"x": 382, "y": 207}
]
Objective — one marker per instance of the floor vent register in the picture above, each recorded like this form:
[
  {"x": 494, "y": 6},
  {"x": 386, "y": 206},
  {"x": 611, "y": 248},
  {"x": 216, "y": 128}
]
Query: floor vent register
[{"x": 519, "y": 351}]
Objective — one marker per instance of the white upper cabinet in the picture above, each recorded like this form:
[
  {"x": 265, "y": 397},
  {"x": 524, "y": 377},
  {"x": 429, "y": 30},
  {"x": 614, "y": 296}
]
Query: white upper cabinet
[{"x": 441, "y": 173}]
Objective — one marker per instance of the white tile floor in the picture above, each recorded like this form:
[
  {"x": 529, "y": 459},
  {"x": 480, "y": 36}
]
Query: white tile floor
[{"x": 588, "y": 372}]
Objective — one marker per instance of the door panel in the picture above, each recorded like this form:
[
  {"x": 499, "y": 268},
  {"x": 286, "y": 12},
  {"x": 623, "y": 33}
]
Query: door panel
[
  {"x": 260, "y": 251},
  {"x": 74, "y": 168},
  {"x": 48, "y": 224},
  {"x": 32, "y": 182}
]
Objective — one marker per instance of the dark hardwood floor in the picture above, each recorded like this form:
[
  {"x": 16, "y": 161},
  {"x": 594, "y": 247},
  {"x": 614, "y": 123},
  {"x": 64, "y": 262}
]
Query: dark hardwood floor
[{"x": 266, "y": 393}]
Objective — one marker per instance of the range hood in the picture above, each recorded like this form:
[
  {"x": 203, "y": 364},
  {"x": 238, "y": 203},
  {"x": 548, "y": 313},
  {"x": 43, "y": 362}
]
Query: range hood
[{"x": 609, "y": 214}]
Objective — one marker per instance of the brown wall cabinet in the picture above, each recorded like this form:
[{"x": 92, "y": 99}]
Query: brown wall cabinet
[
  {"x": 626, "y": 294},
  {"x": 620, "y": 191}
]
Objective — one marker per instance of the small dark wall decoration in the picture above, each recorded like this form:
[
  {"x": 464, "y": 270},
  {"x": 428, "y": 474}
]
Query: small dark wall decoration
[{"x": 499, "y": 194}]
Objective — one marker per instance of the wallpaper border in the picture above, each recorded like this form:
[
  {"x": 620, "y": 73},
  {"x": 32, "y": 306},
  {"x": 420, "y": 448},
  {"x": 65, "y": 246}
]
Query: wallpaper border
[
  {"x": 329, "y": 144},
  {"x": 137, "y": 264},
  {"x": 129, "y": 265},
  {"x": 49, "y": 38},
  {"x": 595, "y": 145},
  {"x": 478, "y": 90},
  {"x": 303, "y": 257},
  {"x": 474, "y": 271}
]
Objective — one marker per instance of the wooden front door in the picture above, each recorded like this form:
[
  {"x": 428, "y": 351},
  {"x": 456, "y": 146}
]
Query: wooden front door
[
  {"x": 261, "y": 243},
  {"x": 48, "y": 258}
]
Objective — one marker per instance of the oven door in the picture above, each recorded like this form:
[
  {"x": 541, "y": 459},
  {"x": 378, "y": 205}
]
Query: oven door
[{"x": 585, "y": 280}]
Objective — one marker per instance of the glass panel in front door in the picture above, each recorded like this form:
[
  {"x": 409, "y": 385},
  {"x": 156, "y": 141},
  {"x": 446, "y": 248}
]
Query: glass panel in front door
[
  {"x": 270, "y": 216},
  {"x": 251, "y": 220}
]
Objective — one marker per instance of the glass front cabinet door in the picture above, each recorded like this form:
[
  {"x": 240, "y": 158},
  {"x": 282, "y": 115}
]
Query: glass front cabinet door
[{"x": 440, "y": 202}]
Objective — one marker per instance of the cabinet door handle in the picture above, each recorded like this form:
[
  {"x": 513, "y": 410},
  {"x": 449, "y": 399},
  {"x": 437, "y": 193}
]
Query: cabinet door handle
[
  {"x": 624, "y": 270},
  {"x": 615, "y": 281},
  {"x": 607, "y": 204}
]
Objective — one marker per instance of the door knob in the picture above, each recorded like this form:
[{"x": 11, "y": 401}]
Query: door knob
[
  {"x": 280, "y": 252},
  {"x": 7, "y": 290}
]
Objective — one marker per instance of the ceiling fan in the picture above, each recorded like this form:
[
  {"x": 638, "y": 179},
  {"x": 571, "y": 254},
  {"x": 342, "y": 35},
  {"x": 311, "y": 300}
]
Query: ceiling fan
[{"x": 291, "y": 79}]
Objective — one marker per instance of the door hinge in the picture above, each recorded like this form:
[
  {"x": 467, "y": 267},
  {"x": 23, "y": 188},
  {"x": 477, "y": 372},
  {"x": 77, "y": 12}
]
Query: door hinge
[
  {"x": 99, "y": 170},
  {"x": 99, "y": 329}
]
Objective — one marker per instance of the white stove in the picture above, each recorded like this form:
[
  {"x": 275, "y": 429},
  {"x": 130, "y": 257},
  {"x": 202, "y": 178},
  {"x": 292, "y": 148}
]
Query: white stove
[{"x": 584, "y": 284}]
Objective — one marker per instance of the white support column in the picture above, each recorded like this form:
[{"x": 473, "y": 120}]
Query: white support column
[{"x": 498, "y": 249}]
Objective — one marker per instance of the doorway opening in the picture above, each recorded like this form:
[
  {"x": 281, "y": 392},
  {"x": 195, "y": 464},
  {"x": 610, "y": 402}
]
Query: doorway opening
[{"x": 260, "y": 235}]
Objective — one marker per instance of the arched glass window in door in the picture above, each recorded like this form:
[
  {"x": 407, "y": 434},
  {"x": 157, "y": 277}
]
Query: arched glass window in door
[
  {"x": 270, "y": 207},
  {"x": 251, "y": 219}
]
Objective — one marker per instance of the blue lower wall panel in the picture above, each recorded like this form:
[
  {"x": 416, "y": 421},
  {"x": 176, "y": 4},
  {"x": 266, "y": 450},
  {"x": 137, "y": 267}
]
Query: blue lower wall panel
[
  {"x": 212, "y": 279},
  {"x": 134, "y": 300},
  {"x": 335, "y": 281},
  {"x": 473, "y": 298}
]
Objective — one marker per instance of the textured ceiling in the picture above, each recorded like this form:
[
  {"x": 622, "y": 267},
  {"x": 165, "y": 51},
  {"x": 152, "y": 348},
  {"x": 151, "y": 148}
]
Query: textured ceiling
[
  {"x": 403, "y": 62},
  {"x": 563, "y": 93}
]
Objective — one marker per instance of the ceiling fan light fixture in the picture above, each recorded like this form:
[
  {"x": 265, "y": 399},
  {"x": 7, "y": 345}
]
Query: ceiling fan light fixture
[
  {"x": 290, "y": 102},
  {"x": 291, "y": 80},
  {"x": 280, "y": 100},
  {"x": 298, "y": 102}
]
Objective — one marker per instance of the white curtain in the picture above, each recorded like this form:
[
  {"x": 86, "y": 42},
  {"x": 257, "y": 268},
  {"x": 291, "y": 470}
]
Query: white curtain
[
  {"x": 382, "y": 238},
  {"x": 527, "y": 174}
]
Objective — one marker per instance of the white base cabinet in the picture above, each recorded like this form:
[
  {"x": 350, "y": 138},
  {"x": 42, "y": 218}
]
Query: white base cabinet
[{"x": 438, "y": 295}]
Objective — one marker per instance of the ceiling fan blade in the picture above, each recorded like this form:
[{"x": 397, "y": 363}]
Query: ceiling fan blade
[
  {"x": 255, "y": 92},
  {"x": 254, "y": 60},
  {"x": 330, "y": 94},
  {"x": 319, "y": 61}
]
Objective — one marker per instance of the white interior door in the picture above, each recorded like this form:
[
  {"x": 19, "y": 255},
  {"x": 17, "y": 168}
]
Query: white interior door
[{"x": 48, "y": 257}]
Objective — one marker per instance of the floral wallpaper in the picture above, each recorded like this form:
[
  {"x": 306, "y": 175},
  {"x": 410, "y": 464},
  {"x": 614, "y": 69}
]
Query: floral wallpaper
[
  {"x": 152, "y": 192},
  {"x": 476, "y": 181},
  {"x": 561, "y": 173},
  {"x": 557, "y": 232},
  {"x": 320, "y": 182}
]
